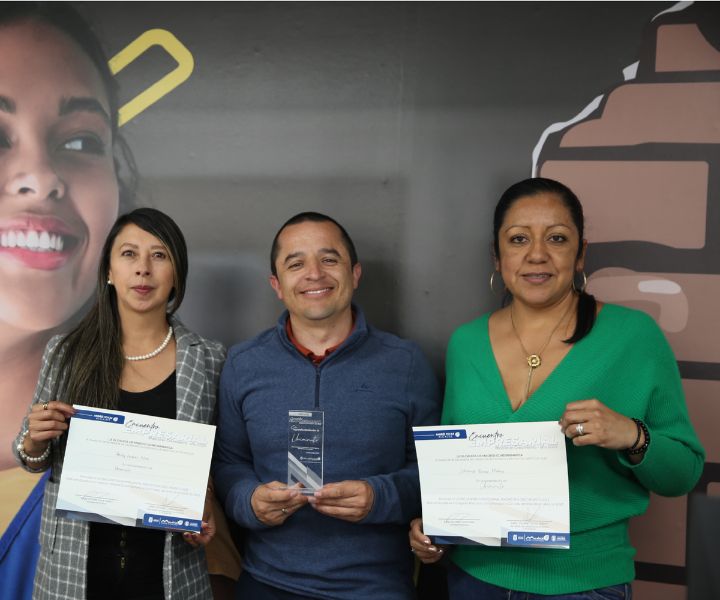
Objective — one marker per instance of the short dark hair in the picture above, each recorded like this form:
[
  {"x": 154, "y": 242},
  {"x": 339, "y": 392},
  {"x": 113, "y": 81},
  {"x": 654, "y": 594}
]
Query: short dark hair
[
  {"x": 313, "y": 217},
  {"x": 587, "y": 306}
]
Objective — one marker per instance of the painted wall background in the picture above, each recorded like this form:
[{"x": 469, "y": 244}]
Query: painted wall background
[{"x": 405, "y": 121}]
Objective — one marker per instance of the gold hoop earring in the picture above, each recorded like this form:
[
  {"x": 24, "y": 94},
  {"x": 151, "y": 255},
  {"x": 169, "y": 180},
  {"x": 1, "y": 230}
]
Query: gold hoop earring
[
  {"x": 492, "y": 283},
  {"x": 584, "y": 284}
]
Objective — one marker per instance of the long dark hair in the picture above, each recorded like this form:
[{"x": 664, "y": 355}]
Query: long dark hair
[
  {"x": 68, "y": 21},
  {"x": 90, "y": 357},
  {"x": 586, "y": 306}
]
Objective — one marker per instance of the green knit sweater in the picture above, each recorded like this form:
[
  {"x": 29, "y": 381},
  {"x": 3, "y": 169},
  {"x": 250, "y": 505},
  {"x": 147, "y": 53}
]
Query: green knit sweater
[{"x": 626, "y": 363}]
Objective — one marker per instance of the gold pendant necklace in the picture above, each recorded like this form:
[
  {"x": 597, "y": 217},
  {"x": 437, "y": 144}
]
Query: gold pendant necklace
[{"x": 535, "y": 360}]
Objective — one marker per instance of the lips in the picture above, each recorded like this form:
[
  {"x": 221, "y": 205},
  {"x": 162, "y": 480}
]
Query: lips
[
  {"x": 44, "y": 243},
  {"x": 143, "y": 289},
  {"x": 536, "y": 278},
  {"x": 316, "y": 292}
]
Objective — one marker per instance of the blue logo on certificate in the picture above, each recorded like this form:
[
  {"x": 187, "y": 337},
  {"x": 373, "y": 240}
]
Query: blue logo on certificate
[
  {"x": 99, "y": 416},
  {"x": 538, "y": 538},
  {"x": 168, "y": 522},
  {"x": 441, "y": 434}
]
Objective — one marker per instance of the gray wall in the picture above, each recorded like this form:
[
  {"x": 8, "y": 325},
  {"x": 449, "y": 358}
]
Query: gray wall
[{"x": 405, "y": 121}]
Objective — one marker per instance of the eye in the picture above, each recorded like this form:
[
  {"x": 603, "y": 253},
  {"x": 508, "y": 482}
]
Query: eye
[
  {"x": 129, "y": 253},
  {"x": 159, "y": 255},
  {"x": 294, "y": 266},
  {"x": 557, "y": 238},
  {"x": 4, "y": 140},
  {"x": 330, "y": 260},
  {"x": 86, "y": 144},
  {"x": 518, "y": 239}
]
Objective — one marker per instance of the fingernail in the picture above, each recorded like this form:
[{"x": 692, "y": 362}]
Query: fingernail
[{"x": 426, "y": 541}]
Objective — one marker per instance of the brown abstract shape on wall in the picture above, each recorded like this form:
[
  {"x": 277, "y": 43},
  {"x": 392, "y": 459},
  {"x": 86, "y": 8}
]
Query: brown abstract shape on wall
[{"x": 645, "y": 161}]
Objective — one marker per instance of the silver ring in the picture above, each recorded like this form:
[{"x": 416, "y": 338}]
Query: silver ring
[
  {"x": 284, "y": 510},
  {"x": 45, "y": 405},
  {"x": 580, "y": 429}
]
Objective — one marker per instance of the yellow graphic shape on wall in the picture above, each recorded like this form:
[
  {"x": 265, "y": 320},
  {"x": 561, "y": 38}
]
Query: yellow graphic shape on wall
[{"x": 174, "y": 47}]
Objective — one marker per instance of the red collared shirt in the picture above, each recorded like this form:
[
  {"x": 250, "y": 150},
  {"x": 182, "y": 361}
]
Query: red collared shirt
[{"x": 315, "y": 358}]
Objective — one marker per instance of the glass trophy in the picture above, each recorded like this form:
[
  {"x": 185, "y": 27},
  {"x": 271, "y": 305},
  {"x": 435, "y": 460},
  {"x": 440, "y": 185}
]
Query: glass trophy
[{"x": 305, "y": 449}]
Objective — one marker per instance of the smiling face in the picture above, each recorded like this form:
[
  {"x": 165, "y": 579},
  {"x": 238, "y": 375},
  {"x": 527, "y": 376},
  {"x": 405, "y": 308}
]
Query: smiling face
[
  {"x": 58, "y": 187},
  {"x": 315, "y": 279},
  {"x": 538, "y": 245},
  {"x": 141, "y": 271}
]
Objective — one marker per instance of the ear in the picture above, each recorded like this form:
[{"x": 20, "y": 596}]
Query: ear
[
  {"x": 275, "y": 285},
  {"x": 357, "y": 273},
  {"x": 580, "y": 263}
]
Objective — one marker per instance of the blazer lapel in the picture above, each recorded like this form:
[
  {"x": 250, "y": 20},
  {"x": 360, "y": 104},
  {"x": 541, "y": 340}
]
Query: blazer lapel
[{"x": 190, "y": 374}]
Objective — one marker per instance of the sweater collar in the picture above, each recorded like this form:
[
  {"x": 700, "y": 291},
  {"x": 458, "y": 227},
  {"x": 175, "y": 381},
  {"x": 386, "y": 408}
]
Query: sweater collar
[{"x": 358, "y": 333}]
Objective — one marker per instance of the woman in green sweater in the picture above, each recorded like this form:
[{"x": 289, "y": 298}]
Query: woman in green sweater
[{"x": 605, "y": 372}]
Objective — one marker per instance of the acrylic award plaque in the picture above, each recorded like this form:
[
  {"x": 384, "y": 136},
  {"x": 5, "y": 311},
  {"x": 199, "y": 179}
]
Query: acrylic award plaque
[{"x": 305, "y": 449}]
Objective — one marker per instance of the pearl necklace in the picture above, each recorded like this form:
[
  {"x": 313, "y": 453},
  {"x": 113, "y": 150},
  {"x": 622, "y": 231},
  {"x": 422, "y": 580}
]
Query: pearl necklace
[{"x": 157, "y": 350}]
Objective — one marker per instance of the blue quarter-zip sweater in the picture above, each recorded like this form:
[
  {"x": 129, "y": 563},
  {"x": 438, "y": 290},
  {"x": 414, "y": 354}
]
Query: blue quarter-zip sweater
[{"x": 373, "y": 389}]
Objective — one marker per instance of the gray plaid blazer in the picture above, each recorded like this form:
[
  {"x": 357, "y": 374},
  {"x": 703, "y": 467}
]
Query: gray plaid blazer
[{"x": 61, "y": 571}]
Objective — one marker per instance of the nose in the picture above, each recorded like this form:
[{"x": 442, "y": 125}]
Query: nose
[
  {"x": 313, "y": 270},
  {"x": 537, "y": 251},
  {"x": 143, "y": 268},
  {"x": 33, "y": 177}
]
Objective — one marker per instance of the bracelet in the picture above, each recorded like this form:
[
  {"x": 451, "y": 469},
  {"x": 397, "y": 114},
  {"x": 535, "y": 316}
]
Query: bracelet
[
  {"x": 642, "y": 428},
  {"x": 25, "y": 457}
]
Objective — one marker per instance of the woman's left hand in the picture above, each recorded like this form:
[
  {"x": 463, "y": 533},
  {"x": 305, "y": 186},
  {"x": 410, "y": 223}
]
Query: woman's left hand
[
  {"x": 208, "y": 525},
  {"x": 591, "y": 423}
]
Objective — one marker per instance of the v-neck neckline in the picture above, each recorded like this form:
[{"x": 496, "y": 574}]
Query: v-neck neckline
[{"x": 498, "y": 375}]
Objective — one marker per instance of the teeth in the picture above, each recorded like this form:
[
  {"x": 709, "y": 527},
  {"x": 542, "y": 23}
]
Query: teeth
[
  {"x": 317, "y": 291},
  {"x": 37, "y": 241}
]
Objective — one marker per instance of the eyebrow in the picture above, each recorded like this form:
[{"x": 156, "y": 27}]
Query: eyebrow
[
  {"x": 84, "y": 104},
  {"x": 548, "y": 227},
  {"x": 295, "y": 255},
  {"x": 7, "y": 105},
  {"x": 67, "y": 106},
  {"x": 133, "y": 245}
]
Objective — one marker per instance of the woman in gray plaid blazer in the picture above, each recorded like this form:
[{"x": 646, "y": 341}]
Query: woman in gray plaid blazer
[{"x": 141, "y": 283}]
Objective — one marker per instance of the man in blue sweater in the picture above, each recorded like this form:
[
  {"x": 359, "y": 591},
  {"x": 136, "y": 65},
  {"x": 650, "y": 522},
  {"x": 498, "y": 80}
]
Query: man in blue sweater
[{"x": 348, "y": 540}]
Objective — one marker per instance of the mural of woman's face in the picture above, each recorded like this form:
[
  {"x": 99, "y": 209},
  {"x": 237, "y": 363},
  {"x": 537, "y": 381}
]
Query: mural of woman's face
[{"x": 58, "y": 187}]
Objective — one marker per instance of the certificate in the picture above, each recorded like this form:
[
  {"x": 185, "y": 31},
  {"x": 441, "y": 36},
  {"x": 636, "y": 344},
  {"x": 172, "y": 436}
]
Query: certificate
[
  {"x": 135, "y": 470},
  {"x": 495, "y": 484}
]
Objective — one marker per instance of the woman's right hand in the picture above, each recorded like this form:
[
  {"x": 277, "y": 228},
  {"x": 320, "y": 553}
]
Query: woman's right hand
[
  {"x": 46, "y": 422},
  {"x": 422, "y": 545}
]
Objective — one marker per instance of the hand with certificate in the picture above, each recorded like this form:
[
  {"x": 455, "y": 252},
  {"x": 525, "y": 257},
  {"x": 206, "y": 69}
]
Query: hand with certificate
[
  {"x": 590, "y": 422},
  {"x": 46, "y": 421},
  {"x": 422, "y": 546}
]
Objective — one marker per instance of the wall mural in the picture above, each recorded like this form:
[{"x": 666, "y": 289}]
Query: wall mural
[{"x": 645, "y": 159}]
